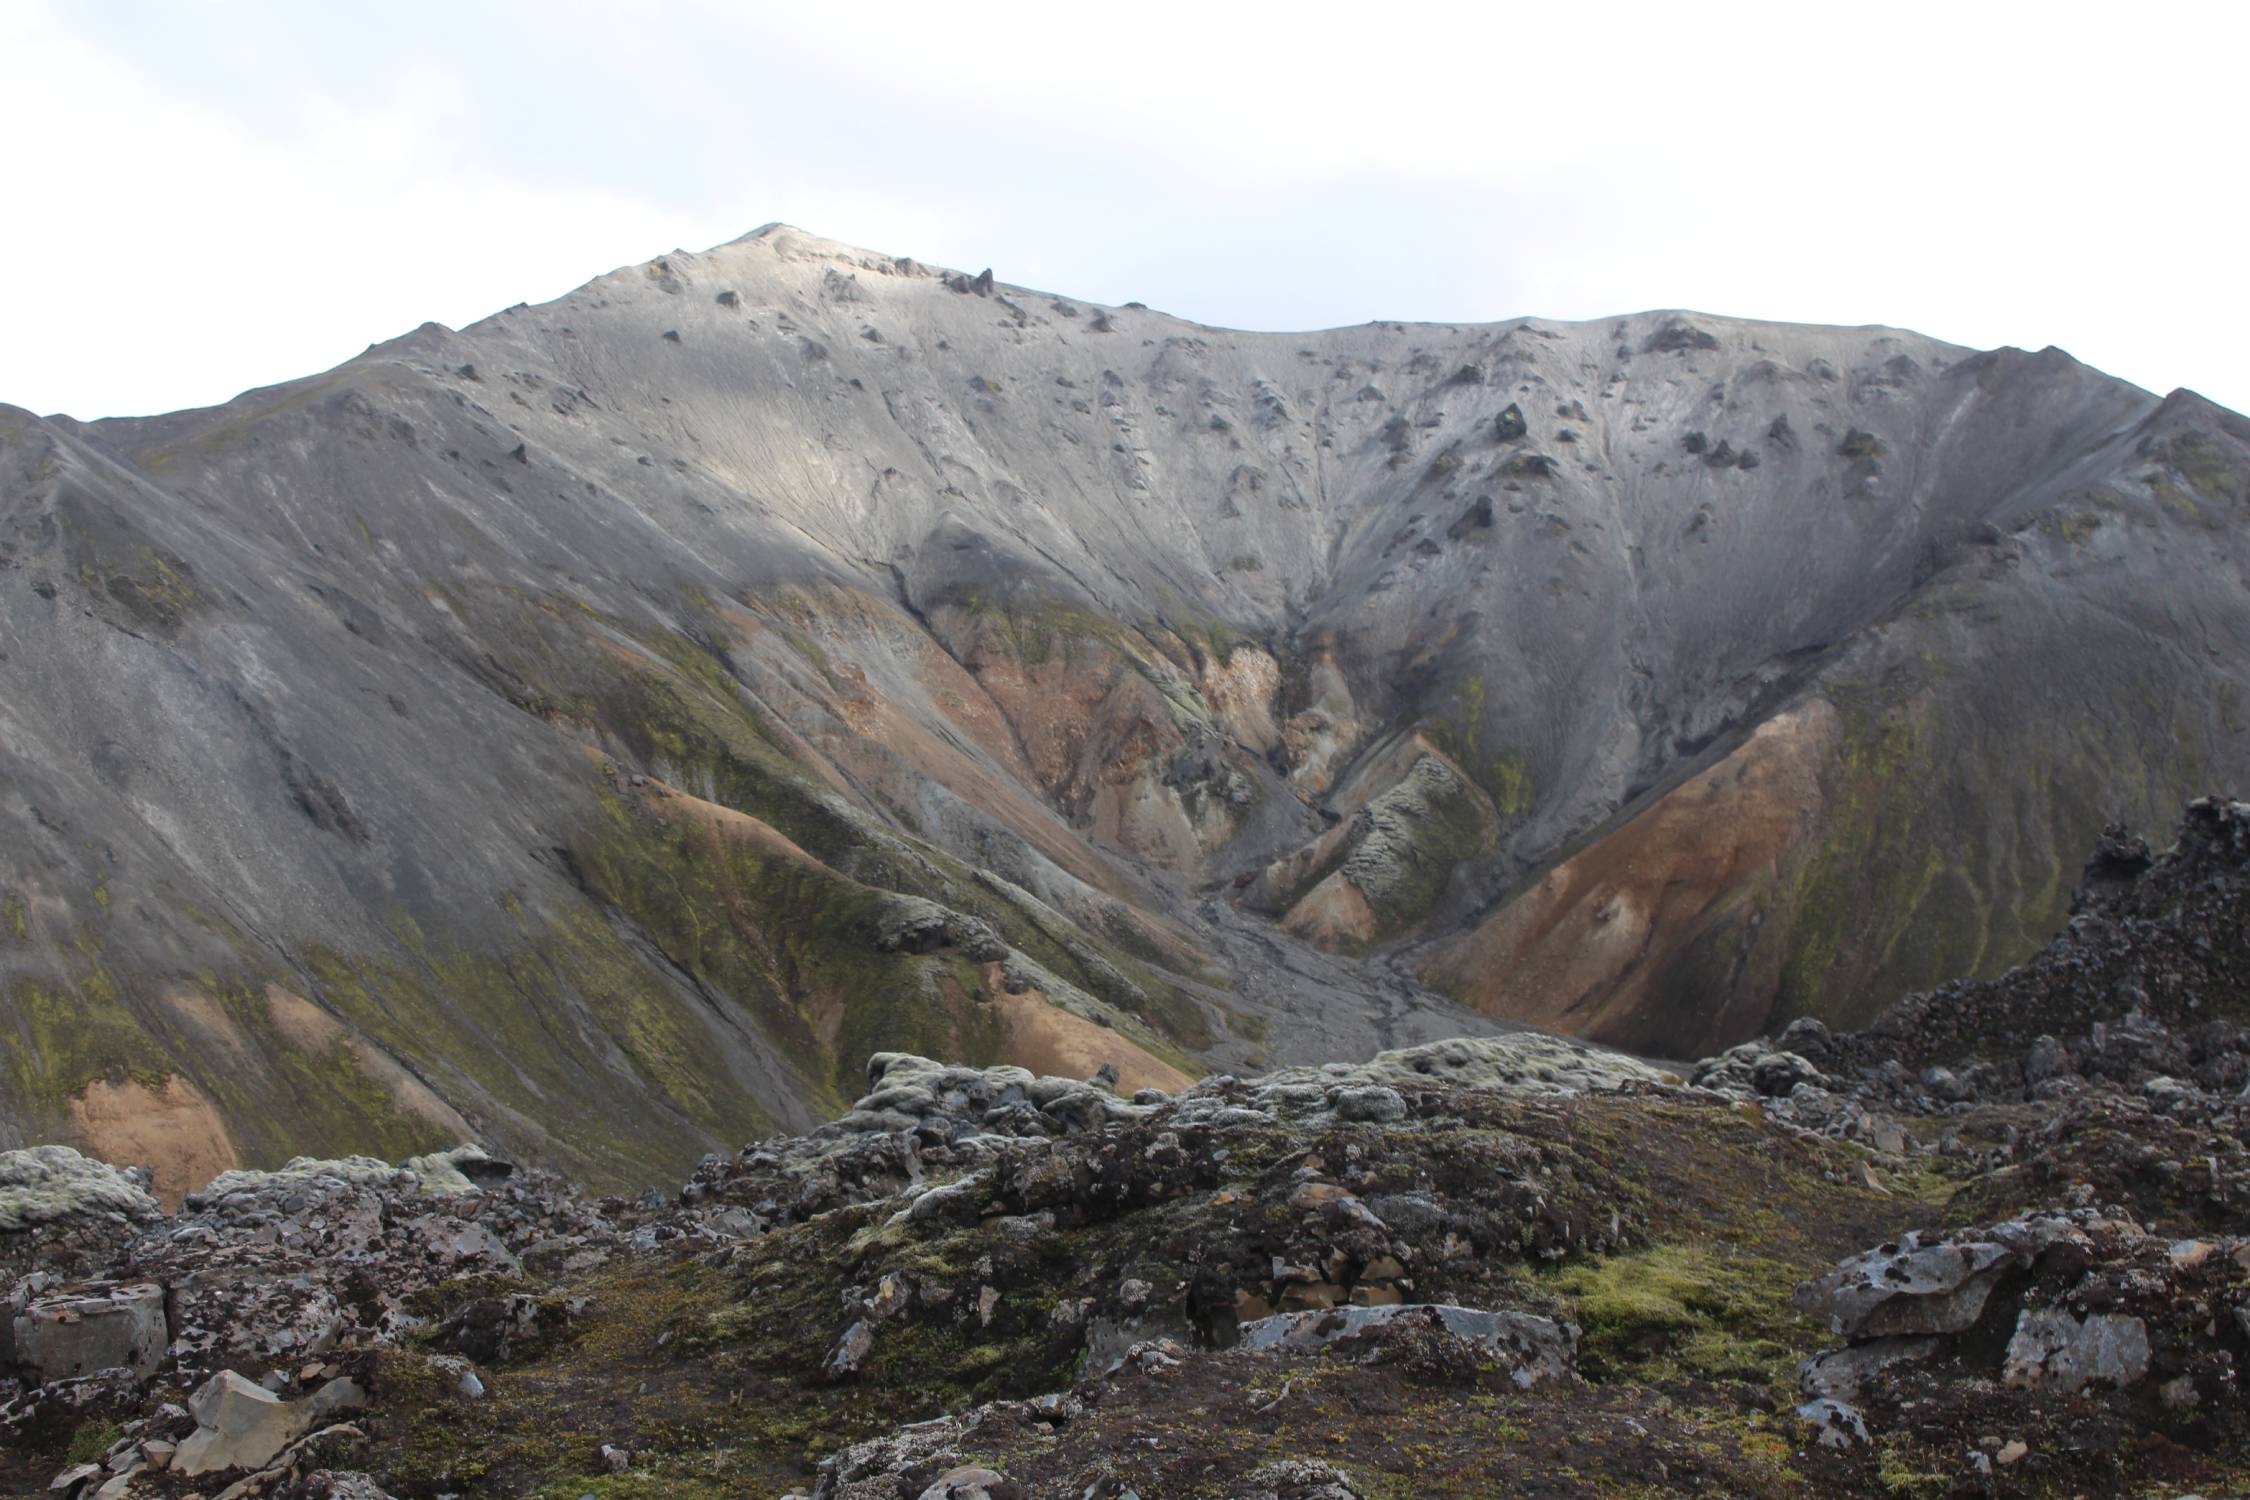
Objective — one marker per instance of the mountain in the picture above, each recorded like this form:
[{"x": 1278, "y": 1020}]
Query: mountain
[{"x": 601, "y": 729}]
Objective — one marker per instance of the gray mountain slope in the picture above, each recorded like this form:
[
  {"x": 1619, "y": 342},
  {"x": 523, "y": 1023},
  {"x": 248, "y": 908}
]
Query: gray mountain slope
[{"x": 602, "y": 727}]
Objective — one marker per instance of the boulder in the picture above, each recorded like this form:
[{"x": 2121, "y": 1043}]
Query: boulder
[
  {"x": 1298, "y": 1479},
  {"x": 299, "y": 1182},
  {"x": 465, "y": 1169},
  {"x": 2056, "y": 1349},
  {"x": 50, "y": 1184},
  {"x": 1526, "y": 1060},
  {"x": 2093, "y": 1303},
  {"x": 1923, "y": 1283},
  {"x": 1370, "y": 1102},
  {"x": 239, "y": 1424},
  {"x": 256, "y": 1314},
  {"x": 1531, "y": 1348},
  {"x": 340, "y": 1484},
  {"x": 851, "y": 1351},
  {"x": 1843, "y": 1373},
  {"x": 1840, "y": 1424},
  {"x": 97, "y": 1326},
  {"x": 2046, "y": 1058},
  {"x": 1759, "y": 1069},
  {"x": 973, "y": 1482},
  {"x": 119, "y": 1484}
]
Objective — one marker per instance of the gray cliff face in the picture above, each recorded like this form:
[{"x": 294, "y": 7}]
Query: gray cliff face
[{"x": 538, "y": 726}]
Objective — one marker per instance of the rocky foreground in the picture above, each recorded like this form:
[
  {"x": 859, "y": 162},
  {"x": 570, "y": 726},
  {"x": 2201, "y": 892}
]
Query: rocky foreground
[{"x": 1997, "y": 1243}]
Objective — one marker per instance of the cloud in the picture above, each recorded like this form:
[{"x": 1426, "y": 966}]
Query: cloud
[
  {"x": 236, "y": 191},
  {"x": 175, "y": 258}
]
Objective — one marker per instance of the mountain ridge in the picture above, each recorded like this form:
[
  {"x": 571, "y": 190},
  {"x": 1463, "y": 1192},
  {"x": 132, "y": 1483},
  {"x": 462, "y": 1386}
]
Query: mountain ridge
[{"x": 434, "y": 691}]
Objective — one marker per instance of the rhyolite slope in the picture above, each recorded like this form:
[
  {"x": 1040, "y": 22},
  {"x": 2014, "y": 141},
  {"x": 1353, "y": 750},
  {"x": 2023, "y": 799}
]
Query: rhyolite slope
[{"x": 604, "y": 727}]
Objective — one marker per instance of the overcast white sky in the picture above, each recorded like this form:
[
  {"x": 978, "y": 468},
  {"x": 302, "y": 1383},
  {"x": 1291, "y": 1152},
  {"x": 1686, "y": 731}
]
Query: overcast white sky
[{"x": 206, "y": 195}]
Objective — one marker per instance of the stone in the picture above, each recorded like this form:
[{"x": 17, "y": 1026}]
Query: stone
[
  {"x": 1920, "y": 1285},
  {"x": 1844, "y": 1373},
  {"x": 1779, "y": 1073},
  {"x": 2054, "y": 1348},
  {"x": 1759, "y": 1069},
  {"x": 850, "y": 1351},
  {"x": 1805, "y": 1035},
  {"x": 1840, "y": 1424},
  {"x": 255, "y": 1313},
  {"x": 306, "y": 1177},
  {"x": 463, "y": 1247},
  {"x": 339, "y": 1395},
  {"x": 972, "y": 1482},
  {"x": 2045, "y": 1058},
  {"x": 1530, "y": 1061},
  {"x": 99, "y": 1326},
  {"x": 465, "y": 1169},
  {"x": 52, "y": 1184},
  {"x": 119, "y": 1484},
  {"x": 1530, "y": 1347},
  {"x": 1298, "y": 1479},
  {"x": 1373, "y": 1102},
  {"x": 346, "y": 1484},
  {"x": 1309, "y": 1196},
  {"x": 239, "y": 1425}
]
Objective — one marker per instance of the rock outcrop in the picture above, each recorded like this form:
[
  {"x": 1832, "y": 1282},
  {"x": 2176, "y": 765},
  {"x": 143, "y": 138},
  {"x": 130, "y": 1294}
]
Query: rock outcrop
[
  {"x": 2073, "y": 1303},
  {"x": 54, "y": 1184}
]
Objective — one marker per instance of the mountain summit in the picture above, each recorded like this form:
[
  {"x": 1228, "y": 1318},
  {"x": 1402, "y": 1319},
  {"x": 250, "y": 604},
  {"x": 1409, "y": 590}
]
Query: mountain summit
[{"x": 605, "y": 728}]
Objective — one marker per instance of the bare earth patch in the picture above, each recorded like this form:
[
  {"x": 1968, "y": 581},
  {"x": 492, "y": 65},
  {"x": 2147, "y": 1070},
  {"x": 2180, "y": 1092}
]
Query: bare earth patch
[
  {"x": 1581, "y": 950},
  {"x": 1048, "y": 1039},
  {"x": 315, "y": 1032},
  {"x": 172, "y": 1130}
]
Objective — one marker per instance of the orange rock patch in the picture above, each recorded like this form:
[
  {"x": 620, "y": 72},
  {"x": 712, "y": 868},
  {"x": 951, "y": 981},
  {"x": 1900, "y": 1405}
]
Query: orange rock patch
[
  {"x": 1048, "y": 1039},
  {"x": 410, "y": 1094},
  {"x": 1241, "y": 692},
  {"x": 314, "y": 1031},
  {"x": 1333, "y": 914},
  {"x": 301, "y": 1023},
  {"x": 665, "y": 800},
  {"x": 1581, "y": 950},
  {"x": 172, "y": 1130},
  {"x": 216, "y": 1030}
]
